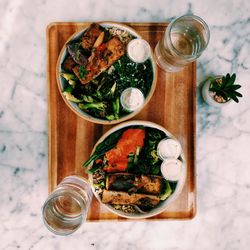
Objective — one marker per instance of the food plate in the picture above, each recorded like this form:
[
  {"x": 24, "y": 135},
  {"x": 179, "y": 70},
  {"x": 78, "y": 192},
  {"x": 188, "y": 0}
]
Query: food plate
[
  {"x": 71, "y": 138},
  {"x": 137, "y": 180},
  {"x": 97, "y": 98}
]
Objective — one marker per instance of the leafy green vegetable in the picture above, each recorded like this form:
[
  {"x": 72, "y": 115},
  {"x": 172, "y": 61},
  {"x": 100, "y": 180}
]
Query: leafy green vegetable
[
  {"x": 149, "y": 162},
  {"x": 130, "y": 161},
  {"x": 93, "y": 169},
  {"x": 110, "y": 117},
  {"x": 133, "y": 159},
  {"x": 116, "y": 108},
  {"x": 100, "y": 185},
  {"x": 71, "y": 78},
  {"x": 71, "y": 98},
  {"x": 131, "y": 74},
  {"x": 82, "y": 71},
  {"x": 137, "y": 152},
  {"x": 88, "y": 98},
  {"x": 93, "y": 105},
  {"x": 155, "y": 169},
  {"x": 167, "y": 191},
  {"x": 154, "y": 155},
  {"x": 68, "y": 88},
  {"x": 111, "y": 93}
]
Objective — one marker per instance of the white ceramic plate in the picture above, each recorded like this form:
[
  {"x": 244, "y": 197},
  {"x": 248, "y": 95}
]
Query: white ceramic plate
[
  {"x": 62, "y": 82},
  {"x": 163, "y": 204}
]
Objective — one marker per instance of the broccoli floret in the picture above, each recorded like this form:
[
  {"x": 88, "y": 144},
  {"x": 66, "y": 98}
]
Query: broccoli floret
[
  {"x": 154, "y": 156},
  {"x": 88, "y": 98},
  {"x": 111, "y": 92},
  {"x": 94, "y": 105},
  {"x": 166, "y": 192},
  {"x": 110, "y": 117},
  {"x": 70, "y": 97},
  {"x": 116, "y": 108},
  {"x": 71, "y": 78}
]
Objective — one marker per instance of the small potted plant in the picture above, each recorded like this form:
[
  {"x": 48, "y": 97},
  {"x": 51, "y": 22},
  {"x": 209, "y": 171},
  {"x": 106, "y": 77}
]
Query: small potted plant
[{"x": 221, "y": 90}]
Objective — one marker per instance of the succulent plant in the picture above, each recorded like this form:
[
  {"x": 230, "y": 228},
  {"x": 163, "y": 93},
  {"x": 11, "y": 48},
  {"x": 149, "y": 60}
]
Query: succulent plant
[{"x": 225, "y": 87}]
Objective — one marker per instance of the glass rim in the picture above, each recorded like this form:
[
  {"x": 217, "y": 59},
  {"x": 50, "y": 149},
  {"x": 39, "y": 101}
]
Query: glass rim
[
  {"x": 80, "y": 178},
  {"x": 59, "y": 192},
  {"x": 169, "y": 41}
]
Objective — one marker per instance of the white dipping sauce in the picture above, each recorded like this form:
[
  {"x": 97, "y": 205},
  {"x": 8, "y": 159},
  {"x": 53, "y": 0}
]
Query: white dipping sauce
[
  {"x": 171, "y": 169},
  {"x": 138, "y": 50},
  {"x": 169, "y": 148},
  {"x": 132, "y": 99}
]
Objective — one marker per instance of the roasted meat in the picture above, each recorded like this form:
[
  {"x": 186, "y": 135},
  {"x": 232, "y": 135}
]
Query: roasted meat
[
  {"x": 148, "y": 184},
  {"x": 68, "y": 64},
  {"x": 90, "y": 36},
  {"x": 101, "y": 59},
  {"x": 114, "y": 197}
]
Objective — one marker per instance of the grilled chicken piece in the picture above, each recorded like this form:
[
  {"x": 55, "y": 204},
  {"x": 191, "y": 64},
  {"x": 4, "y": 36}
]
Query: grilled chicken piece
[
  {"x": 148, "y": 184},
  {"x": 101, "y": 59},
  {"x": 90, "y": 36},
  {"x": 68, "y": 64},
  {"x": 123, "y": 198}
]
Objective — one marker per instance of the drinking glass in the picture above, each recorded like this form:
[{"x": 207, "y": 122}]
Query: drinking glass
[
  {"x": 183, "y": 42},
  {"x": 66, "y": 207}
]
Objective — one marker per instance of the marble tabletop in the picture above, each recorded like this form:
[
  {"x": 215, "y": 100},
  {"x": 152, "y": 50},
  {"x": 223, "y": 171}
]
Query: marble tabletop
[{"x": 223, "y": 134}]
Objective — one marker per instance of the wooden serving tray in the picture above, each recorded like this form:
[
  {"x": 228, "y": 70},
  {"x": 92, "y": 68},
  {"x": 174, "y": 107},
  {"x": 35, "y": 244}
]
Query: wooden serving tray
[{"x": 71, "y": 138}]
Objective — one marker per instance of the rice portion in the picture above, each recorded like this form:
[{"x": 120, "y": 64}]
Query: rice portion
[
  {"x": 125, "y": 208},
  {"x": 124, "y": 35}
]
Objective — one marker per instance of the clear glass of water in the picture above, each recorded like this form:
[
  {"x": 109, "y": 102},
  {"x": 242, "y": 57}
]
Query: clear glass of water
[
  {"x": 67, "y": 206},
  {"x": 183, "y": 42}
]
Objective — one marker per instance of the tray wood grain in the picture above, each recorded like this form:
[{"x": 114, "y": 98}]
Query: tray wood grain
[{"x": 71, "y": 138}]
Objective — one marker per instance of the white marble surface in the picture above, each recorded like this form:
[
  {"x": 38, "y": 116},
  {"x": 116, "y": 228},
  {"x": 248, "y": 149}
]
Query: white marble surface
[{"x": 223, "y": 135}]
